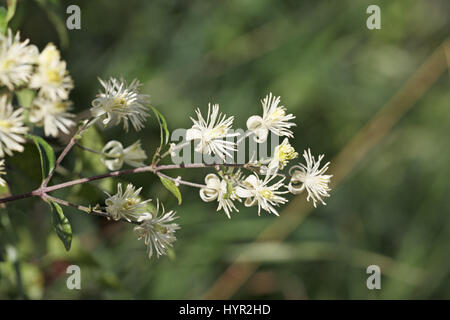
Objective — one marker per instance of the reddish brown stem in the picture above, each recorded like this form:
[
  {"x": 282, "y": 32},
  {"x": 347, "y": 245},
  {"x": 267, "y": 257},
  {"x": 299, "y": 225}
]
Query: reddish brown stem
[{"x": 44, "y": 189}]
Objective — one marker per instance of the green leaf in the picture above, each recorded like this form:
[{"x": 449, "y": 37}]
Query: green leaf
[
  {"x": 7, "y": 15},
  {"x": 162, "y": 125},
  {"x": 11, "y": 9},
  {"x": 170, "y": 185},
  {"x": 3, "y": 23},
  {"x": 62, "y": 225},
  {"x": 44, "y": 150}
]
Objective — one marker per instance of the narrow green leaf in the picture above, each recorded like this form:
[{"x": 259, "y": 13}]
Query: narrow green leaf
[
  {"x": 46, "y": 154},
  {"x": 162, "y": 125},
  {"x": 170, "y": 185},
  {"x": 3, "y": 23},
  {"x": 11, "y": 10},
  {"x": 62, "y": 225}
]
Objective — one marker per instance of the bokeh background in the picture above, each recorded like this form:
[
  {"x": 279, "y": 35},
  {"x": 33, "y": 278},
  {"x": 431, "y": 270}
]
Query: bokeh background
[{"x": 389, "y": 205}]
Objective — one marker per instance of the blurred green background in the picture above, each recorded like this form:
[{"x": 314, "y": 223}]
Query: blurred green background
[{"x": 332, "y": 72}]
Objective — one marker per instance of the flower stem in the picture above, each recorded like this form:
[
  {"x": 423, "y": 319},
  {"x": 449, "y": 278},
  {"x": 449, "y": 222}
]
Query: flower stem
[
  {"x": 82, "y": 208},
  {"x": 176, "y": 180},
  {"x": 248, "y": 134},
  {"x": 89, "y": 149},
  {"x": 66, "y": 150},
  {"x": 43, "y": 190},
  {"x": 165, "y": 154}
]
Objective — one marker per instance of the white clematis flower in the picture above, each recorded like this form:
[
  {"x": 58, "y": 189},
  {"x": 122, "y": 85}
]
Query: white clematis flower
[
  {"x": 121, "y": 102},
  {"x": 210, "y": 133},
  {"x": 311, "y": 178},
  {"x": 51, "y": 77},
  {"x": 274, "y": 119},
  {"x": 12, "y": 128},
  {"x": 158, "y": 232},
  {"x": 116, "y": 155},
  {"x": 282, "y": 154},
  {"x": 126, "y": 204},
  {"x": 16, "y": 60},
  {"x": 49, "y": 55},
  {"x": 259, "y": 192},
  {"x": 53, "y": 115},
  {"x": 220, "y": 190}
]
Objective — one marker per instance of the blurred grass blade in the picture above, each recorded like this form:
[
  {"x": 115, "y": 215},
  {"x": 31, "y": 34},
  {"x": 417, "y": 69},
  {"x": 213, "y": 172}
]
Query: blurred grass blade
[{"x": 52, "y": 9}]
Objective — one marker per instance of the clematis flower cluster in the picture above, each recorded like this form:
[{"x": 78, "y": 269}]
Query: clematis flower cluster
[
  {"x": 43, "y": 78},
  {"x": 266, "y": 187},
  {"x": 35, "y": 99},
  {"x": 23, "y": 67},
  {"x": 156, "y": 229},
  {"x": 122, "y": 103}
]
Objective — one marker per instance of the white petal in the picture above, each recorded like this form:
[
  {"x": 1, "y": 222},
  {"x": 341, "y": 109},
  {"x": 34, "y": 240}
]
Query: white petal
[
  {"x": 115, "y": 146},
  {"x": 254, "y": 122},
  {"x": 208, "y": 195},
  {"x": 243, "y": 192},
  {"x": 296, "y": 189},
  {"x": 113, "y": 164},
  {"x": 212, "y": 180},
  {"x": 252, "y": 180},
  {"x": 261, "y": 134},
  {"x": 250, "y": 202},
  {"x": 193, "y": 134},
  {"x": 273, "y": 165}
]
